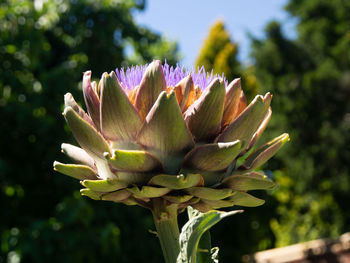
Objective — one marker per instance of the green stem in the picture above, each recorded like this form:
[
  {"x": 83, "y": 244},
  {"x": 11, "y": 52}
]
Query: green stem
[{"x": 165, "y": 220}]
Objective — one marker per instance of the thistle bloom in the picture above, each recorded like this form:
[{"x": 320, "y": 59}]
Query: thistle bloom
[{"x": 163, "y": 138}]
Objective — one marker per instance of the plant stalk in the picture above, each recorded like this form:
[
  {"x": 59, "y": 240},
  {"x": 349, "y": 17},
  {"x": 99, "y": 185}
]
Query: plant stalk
[{"x": 165, "y": 220}]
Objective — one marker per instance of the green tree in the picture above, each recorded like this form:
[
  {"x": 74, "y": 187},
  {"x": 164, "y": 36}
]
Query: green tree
[
  {"x": 219, "y": 53},
  {"x": 44, "y": 48},
  {"x": 249, "y": 232},
  {"x": 309, "y": 77}
]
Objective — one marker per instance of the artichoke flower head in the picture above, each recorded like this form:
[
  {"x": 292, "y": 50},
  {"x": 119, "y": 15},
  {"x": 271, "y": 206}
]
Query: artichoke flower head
[{"x": 157, "y": 132}]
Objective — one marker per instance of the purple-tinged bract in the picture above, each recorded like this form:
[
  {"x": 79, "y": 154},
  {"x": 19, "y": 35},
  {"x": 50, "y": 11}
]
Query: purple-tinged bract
[{"x": 160, "y": 134}]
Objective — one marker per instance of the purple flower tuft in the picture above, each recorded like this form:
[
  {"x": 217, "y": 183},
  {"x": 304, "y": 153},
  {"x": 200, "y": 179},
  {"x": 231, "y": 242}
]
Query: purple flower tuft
[{"x": 131, "y": 77}]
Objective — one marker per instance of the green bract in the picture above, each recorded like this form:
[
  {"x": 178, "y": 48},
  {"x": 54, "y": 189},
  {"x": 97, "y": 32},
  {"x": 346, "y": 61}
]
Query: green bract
[
  {"x": 167, "y": 139},
  {"x": 177, "y": 143}
]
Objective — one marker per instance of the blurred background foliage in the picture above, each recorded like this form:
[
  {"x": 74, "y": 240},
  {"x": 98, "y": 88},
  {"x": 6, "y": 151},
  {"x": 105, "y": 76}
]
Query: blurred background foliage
[
  {"x": 310, "y": 78},
  {"x": 44, "y": 48},
  {"x": 219, "y": 53}
]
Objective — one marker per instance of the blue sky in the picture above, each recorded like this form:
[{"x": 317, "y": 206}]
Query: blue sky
[{"x": 188, "y": 21}]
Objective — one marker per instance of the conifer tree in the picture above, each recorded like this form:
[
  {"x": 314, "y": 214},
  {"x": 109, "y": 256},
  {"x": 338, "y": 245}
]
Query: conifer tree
[{"x": 219, "y": 53}]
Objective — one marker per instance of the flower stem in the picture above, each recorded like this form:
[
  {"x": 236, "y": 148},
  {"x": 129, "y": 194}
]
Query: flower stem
[{"x": 165, "y": 220}]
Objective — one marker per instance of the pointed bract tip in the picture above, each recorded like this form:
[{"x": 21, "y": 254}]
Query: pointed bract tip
[
  {"x": 157, "y": 61},
  {"x": 83, "y": 183},
  {"x": 68, "y": 99},
  {"x": 86, "y": 79},
  {"x": 285, "y": 137},
  {"x": 268, "y": 96},
  {"x": 214, "y": 84},
  {"x": 216, "y": 80},
  {"x": 66, "y": 109},
  {"x": 171, "y": 94},
  {"x": 55, "y": 163},
  {"x": 257, "y": 98},
  {"x": 282, "y": 138},
  {"x": 163, "y": 95},
  {"x": 234, "y": 83},
  {"x": 104, "y": 75},
  {"x": 112, "y": 74},
  {"x": 87, "y": 73},
  {"x": 67, "y": 96},
  {"x": 62, "y": 147},
  {"x": 155, "y": 64}
]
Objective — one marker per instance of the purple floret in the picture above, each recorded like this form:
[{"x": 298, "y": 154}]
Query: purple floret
[{"x": 131, "y": 77}]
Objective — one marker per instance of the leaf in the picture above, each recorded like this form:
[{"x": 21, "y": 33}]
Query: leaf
[
  {"x": 205, "y": 253},
  {"x": 191, "y": 212},
  {"x": 119, "y": 119},
  {"x": 204, "y": 248},
  {"x": 204, "y": 116},
  {"x": 193, "y": 230},
  {"x": 204, "y": 245},
  {"x": 77, "y": 171}
]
